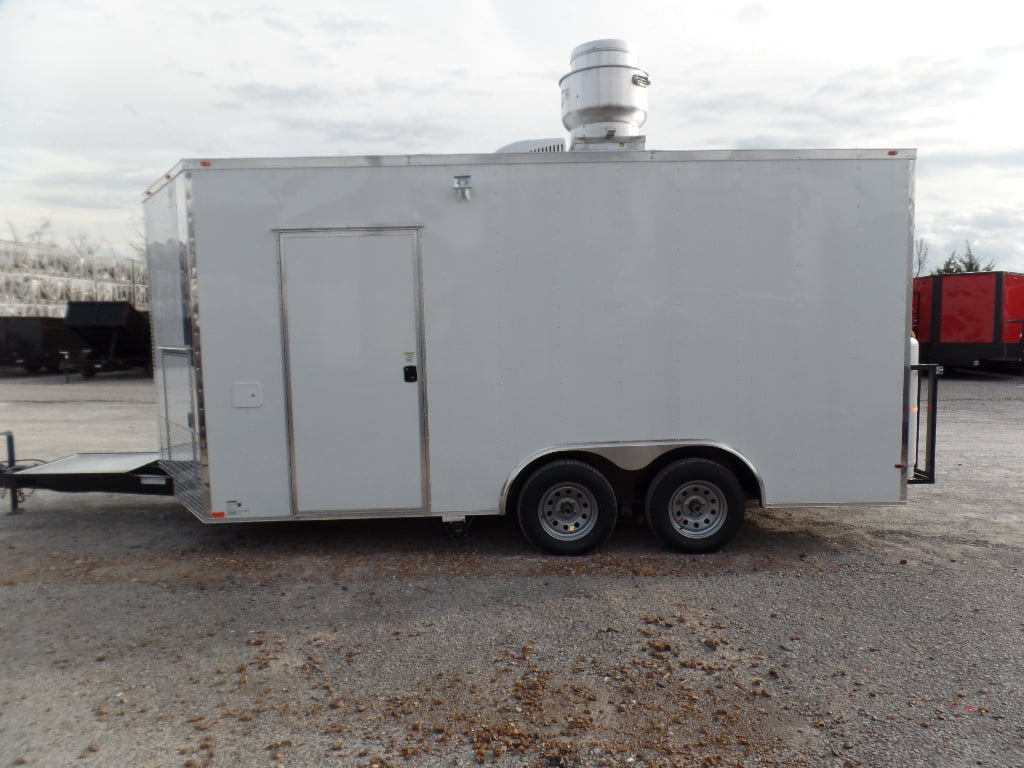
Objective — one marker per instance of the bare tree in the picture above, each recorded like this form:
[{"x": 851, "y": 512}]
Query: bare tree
[
  {"x": 42, "y": 233},
  {"x": 137, "y": 239},
  {"x": 920, "y": 256},
  {"x": 82, "y": 245}
]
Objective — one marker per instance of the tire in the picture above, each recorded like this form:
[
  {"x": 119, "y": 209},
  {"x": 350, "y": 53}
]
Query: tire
[
  {"x": 695, "y": 505},
  {"x": 88, "y": 372},
  {"x": 567, "y": 507},
  {"x": 32, "y": 368}
]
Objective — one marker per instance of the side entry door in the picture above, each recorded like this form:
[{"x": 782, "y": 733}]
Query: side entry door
[{"x": 352, "y": 350}]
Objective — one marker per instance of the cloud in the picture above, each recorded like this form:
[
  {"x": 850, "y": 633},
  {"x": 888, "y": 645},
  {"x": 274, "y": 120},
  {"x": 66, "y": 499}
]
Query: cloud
[
  {"x": 275, "y": 96},
  {"x": 792, "y": 141},
  {"x": 915, "y": 98},
  {"x": 910, "y": 103},
  {"x": 345, "y": 30},
  {"x": 1002, "y": 51},
  {"x": 921, "y": 80},
  {"x": 752, "y": 14},
  {"x": 92, "y": 190},
  {"x": 370, "y": 135},
  {"x": 995, "y": 233},
  {"x": 1009, "y": 161},
  {"x": 278, "y": 23},
  {"x": 997, "y": 221}
]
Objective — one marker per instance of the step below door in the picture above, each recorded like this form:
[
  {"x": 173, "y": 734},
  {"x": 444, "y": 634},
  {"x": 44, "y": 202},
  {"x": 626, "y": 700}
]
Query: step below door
[{"x": 352, "y": 346}]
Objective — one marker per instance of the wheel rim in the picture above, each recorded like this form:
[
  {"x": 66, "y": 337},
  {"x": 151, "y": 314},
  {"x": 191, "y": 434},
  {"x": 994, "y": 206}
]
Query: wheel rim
[
  {"x": 568, "y": 511},
  {"x": 698, "y": 510}
]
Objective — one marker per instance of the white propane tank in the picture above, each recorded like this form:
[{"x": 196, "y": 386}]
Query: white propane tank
[{"x": 604, "y": 96}]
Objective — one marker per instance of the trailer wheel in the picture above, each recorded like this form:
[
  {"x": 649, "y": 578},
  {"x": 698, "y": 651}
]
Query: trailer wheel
[
  {"x": 695, "y": 505},
  {"x": 567, "y": 507}
]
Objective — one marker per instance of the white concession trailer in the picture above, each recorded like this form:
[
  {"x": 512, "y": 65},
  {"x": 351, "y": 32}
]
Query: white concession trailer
[{"x": 554, "y": 335}]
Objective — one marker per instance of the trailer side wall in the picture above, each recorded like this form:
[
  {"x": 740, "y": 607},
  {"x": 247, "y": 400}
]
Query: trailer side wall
[{"x": 630, "y": 298}]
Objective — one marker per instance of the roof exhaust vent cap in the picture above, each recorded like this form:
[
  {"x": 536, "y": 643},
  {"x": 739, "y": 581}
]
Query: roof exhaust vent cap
[{"x": 604, "y": 95}]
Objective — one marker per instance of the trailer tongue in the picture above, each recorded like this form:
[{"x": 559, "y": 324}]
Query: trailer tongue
[{"x": 138, "y": 473}]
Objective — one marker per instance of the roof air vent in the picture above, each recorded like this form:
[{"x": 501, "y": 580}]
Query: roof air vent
[{"x": 604, "y": 96}]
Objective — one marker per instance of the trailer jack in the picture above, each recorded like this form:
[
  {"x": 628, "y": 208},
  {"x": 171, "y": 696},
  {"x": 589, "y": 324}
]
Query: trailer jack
[{"x": 10, "y": 467}]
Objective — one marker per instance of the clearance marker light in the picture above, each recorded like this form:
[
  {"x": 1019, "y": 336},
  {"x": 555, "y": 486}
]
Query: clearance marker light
[
  {"x": 205, "y": 163},
  {"x": 217, "y": 515},
  {"x": 893, "y": 152}
]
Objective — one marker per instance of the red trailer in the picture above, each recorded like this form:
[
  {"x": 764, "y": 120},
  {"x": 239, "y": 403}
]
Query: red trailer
[{"x": 970, "y": 319}]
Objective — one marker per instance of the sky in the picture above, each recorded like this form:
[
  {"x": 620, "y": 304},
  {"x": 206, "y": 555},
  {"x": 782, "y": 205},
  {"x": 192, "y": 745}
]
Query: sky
[{"x": 99, "y": 98}]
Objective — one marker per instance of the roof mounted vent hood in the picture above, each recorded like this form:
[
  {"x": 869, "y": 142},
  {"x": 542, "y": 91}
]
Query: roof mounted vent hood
[
  {"x": 604, "y": 96},
  {"x": 604, "y": 100}
]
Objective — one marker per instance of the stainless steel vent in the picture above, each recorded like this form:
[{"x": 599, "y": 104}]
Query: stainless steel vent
[{"x": 604, "y": 96}]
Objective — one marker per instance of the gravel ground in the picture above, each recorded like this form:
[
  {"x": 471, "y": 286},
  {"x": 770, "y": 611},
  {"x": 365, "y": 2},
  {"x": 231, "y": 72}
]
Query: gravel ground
[{"x": 132, "y": 635}]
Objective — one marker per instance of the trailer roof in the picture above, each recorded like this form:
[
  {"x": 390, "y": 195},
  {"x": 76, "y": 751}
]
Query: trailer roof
[{"x": 516, "y": 158}]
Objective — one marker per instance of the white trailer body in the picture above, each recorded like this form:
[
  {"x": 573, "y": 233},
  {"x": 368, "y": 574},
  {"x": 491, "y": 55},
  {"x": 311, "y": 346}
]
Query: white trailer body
[{"x": 415, "y": 335}]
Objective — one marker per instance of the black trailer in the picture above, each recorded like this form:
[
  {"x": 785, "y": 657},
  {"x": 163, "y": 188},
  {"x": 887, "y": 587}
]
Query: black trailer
[
  {"x": 37, "y": 343},
  {"x": 116, "y": 334}
]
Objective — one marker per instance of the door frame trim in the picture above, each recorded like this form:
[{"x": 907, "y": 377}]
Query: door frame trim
[{"x": 421, "y": 384}]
